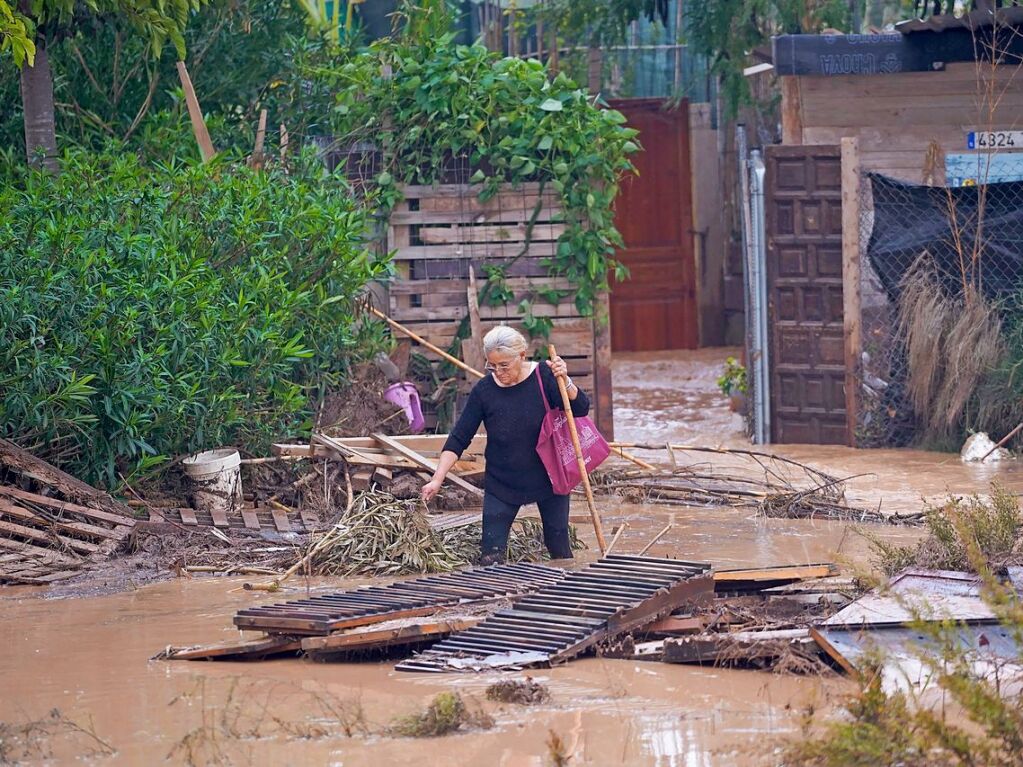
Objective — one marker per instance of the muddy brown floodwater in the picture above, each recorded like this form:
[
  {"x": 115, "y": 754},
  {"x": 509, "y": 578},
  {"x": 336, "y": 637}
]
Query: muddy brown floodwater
[{"x": 89, "y": 657}]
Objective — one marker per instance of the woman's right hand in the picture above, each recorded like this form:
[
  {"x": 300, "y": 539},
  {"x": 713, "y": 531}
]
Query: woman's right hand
[{"x": 430, "y": 489}]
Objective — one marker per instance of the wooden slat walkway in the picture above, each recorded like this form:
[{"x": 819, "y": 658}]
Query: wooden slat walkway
[{"x": 588, "y": 606}]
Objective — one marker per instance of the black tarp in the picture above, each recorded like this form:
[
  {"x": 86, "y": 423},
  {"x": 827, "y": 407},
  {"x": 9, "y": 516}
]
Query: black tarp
[{"x": 910, "y": 219}]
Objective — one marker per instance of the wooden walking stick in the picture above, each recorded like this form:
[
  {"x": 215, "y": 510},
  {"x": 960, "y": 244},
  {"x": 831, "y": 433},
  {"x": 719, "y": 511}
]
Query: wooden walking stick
[{"x": 567, "y": 403}]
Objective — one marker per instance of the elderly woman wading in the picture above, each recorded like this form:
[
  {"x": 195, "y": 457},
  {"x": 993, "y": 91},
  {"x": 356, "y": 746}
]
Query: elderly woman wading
[{"x": 509, "y": 404}]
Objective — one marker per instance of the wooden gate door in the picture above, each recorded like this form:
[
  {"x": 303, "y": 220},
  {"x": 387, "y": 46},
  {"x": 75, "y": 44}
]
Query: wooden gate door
[
  {"x": 656, "y": 307},
  {"x": 803, "y": 210}
]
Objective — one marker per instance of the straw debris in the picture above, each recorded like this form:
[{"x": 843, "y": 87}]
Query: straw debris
[
  {"x": 382, "y": 535},
  {"x": 525, "y": 692}
]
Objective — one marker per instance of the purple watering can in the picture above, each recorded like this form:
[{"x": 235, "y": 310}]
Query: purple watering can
[{"x": 405, "y": 396}]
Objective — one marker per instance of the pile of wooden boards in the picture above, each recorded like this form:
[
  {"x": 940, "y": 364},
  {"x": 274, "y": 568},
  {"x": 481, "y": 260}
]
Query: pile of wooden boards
[
  {"x": 758, "y": 616},
  {"x": 517, "y": 616},
  {"x": 380, "y": 459},
  {"x": 52, "y": 526}
]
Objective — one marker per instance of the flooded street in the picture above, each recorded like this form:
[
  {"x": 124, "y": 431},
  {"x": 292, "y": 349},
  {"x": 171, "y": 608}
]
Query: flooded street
[{"x": 89, "y": 657}]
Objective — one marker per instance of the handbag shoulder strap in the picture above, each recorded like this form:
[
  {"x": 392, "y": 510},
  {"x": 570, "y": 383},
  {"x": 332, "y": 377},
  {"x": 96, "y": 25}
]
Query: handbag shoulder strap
[{"x": 543, "y": 392}]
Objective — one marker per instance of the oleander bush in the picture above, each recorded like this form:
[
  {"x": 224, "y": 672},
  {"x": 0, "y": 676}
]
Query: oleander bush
[{"x": 151, "y": 310}]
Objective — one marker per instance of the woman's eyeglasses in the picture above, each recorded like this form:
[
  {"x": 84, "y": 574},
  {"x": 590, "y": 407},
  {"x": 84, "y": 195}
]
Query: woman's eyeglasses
[{"x": 500, "y": 366}]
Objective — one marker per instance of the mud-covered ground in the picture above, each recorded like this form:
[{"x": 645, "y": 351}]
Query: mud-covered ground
[{"x": 89, "y": 657}]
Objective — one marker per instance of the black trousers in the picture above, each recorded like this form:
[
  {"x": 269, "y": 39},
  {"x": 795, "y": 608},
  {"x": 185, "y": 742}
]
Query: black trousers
[{"x": 497, "y": 521}]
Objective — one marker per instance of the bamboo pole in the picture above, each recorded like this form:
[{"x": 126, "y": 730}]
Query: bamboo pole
[
  {"x": 1001, "y": 442},
  {"x": 630, "y": 457},
  {"x": 567, "y": 403},
  {"x": 617, "y": 535},
  {"x": 419, "y": 339},
  {"x": 656, "y": 538}
]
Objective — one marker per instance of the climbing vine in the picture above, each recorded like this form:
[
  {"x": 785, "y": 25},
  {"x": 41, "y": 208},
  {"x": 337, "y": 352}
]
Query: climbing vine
[{"x": 424, "y": 103}]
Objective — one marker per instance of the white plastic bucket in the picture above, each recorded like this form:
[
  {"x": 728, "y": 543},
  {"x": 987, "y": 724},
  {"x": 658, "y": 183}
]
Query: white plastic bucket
[{"x": 216, "y": 479}]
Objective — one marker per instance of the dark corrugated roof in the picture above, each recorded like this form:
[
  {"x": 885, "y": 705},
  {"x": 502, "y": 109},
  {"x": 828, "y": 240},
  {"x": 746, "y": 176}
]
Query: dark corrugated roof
[{"x": 972, "y": 20}]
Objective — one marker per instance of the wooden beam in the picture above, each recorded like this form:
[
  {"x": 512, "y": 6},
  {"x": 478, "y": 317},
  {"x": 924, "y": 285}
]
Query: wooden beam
[
  {"x": 245, "y": 648},
  {"x": 379, "y": 636},
  {"x": 124, "y": 522},
  {"x": 19, "y": 512},
  {"x": 424, "y": 462},
  {"x": 785, "y": 572},
  {"x": 602, "y": 385},
  {"x": 49, "y": 540},
  {"x": 851, "y": 307},
  {"x": 791, "y": 111}
]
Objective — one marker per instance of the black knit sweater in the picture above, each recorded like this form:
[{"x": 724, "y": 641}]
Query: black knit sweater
[{"x": 512, "y": 416}]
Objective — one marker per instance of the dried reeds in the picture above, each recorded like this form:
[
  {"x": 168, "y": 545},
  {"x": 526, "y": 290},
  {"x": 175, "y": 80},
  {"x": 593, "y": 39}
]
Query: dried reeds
[
  {"x": 446, "y": 713},
  {"x": 952, "y": 345}
]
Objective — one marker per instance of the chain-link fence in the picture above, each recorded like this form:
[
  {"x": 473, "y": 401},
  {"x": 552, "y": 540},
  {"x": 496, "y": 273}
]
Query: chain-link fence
[{"x": 941, "y": 312}]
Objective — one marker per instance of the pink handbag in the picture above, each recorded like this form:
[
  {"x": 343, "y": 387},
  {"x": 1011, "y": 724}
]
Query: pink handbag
[{"x": 555, "y": 446}]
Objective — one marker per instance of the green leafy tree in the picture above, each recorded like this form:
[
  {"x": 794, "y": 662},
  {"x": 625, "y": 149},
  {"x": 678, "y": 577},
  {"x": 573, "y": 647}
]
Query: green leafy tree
[
  {"x": 726, "y": 31},
  {"x": 15, "y": 36},
  {"x": 108, "y": 85},
  {"x": 598, "y": 22},
  {"x": 49, "y": 21}
]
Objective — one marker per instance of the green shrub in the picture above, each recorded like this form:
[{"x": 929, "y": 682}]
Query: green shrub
[
  {"x": 993, "y": 528},
  {"x": 150, "y": 311}
]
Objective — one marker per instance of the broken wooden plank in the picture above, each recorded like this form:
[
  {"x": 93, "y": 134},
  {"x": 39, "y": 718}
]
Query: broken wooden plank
[
  {"x": 15, "y": 511},
  {"x": 126, "y": 519},
  {"x": 382, "y": 635},
  {"x": 736, "y": 647},
  {"x": 362, "y": 478},
  {"x": 241, "y": 649},
  {"x": 49, "y": 539},
  {"x": 780, "y": 573},
  {"x": 419, "y": 459},
  {"x": 340, "y": 448},
  {"x": 40, "y": 555},
  {"x": 249, "y": 519},
  {"x": 188, "y": 517},
  {"x": 674, "y": 626},
  {"x": 280, "y": 519}
]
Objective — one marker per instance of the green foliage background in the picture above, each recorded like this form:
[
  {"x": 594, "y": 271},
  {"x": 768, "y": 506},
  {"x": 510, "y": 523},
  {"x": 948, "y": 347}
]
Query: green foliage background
[
  {"x": 153, "y": 310},
  {"x": 426, "y": 102}
]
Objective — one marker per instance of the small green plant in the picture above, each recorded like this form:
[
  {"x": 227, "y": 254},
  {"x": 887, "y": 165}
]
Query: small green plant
[
  {"x": 445, "y": 714},
  {"x": 733, "y": 379},
  {"x": 993, "y": 528}
]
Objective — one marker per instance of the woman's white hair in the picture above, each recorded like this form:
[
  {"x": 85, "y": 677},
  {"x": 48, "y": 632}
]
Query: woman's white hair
[{"x": 504, "y": 339}]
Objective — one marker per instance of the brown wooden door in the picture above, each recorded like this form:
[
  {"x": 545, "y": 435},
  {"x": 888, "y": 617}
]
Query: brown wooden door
[
  {"x": 803, "y": 209},
  {"x": 656, "y": 307}
]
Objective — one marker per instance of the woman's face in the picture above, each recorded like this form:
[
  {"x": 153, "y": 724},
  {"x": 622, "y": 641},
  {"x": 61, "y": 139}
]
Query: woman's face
[{"x": 506, "y": 366}]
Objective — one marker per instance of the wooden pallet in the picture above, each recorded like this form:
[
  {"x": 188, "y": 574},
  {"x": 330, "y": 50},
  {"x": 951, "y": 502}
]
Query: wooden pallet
[
  {"x": 437, "y": 232},
  {"x": 599, "y": 602},
  {"x": 52, "y": 525},
  {"x": 328, "y": 613},
  {"x": 247, "y": 517}
]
